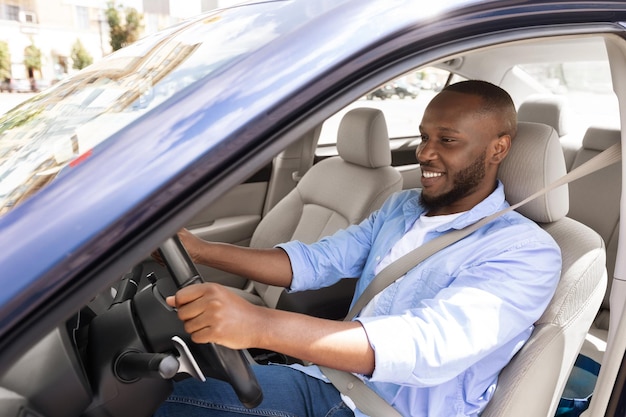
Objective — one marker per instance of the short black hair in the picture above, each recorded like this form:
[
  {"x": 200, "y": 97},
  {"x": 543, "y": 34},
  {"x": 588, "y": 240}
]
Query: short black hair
[{"x": 495, "y": 100}]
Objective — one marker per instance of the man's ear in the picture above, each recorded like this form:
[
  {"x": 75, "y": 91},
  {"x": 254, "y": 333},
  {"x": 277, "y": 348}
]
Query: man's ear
[{"x": 500, "y": 148}]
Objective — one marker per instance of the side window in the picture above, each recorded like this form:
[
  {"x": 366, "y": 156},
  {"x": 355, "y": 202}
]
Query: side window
[
  {"x": 586, "y": 89},
  {"x": 402, "y": 100}
]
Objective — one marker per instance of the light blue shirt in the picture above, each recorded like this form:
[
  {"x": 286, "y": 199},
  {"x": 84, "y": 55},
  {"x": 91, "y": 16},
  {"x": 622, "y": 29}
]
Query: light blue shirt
[{"x": 442, "y": 334}]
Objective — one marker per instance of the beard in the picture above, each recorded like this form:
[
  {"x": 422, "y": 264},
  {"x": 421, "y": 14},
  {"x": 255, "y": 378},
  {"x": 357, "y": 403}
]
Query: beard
[{"x": 464, "y": 182}]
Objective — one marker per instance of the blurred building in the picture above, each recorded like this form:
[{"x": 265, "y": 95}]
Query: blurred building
[{"x": 53, "y": 26}]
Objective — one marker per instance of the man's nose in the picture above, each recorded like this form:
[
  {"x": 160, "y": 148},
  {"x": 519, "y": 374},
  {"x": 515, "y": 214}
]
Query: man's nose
[{"x": 425, "y": 151}]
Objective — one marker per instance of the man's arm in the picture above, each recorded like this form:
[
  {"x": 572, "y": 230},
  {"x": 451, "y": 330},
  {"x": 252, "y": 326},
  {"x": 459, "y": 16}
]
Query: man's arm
[
  {"x": 268, "y": 266},
  {"x": 212, "y": 313}
]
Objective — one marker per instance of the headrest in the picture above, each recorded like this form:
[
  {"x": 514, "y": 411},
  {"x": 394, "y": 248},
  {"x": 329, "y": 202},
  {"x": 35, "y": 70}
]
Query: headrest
[
  {"x": 362, "y": 138},
  {"x": 600, "y": 139},
  {"x": 535, "y": 160},
  {"x": 547, "y": 109}
]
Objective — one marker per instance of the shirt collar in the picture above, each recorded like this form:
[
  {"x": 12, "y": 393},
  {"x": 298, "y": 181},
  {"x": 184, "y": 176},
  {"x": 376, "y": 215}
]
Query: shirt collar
[{"x": 494, "y": 202}]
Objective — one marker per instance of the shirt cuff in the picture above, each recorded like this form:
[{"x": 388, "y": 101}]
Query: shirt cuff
[
  {"x": 394, "y": 349},
  {"x": 296, "y": 259}
]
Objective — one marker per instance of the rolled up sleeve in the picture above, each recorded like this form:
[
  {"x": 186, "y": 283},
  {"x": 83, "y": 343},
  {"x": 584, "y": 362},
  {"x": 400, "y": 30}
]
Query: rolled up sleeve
[
  {"x": 395, "y": 352},
  {"x": 325, "y": 262}
]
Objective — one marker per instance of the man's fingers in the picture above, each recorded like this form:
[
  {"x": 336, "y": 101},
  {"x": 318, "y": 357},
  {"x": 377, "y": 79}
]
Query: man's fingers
[
  {"x": 209, "y": 307},
  {"x": 193, "y": 292},
  {"x": 171, "y": 301},
  {"x": 194, "y": 300},
  {"x": 196, "y": 324},
  {"x": 156, "y": 255},
  {"x": 211, "y": 313},
  {"x": 204, "y": 335}
]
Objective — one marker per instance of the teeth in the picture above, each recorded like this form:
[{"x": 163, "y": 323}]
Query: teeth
[{"x": 428, "y": 174}]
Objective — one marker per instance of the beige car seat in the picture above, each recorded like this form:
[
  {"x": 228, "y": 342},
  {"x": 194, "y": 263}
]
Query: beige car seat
[
  {"x": 552, "y": 110},
  {"x": 595, "y": 201},
  {"x": 532, "y": 383},
  {"x": 332, "y": 194}
]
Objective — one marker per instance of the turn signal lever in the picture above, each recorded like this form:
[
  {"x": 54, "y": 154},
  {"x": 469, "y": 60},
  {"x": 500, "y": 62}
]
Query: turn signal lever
[{"x": 131, "y": 366}]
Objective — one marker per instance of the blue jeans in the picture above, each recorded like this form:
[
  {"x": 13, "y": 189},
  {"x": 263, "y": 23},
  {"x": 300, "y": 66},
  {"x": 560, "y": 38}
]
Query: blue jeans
[{"x": 287, "y": 392}]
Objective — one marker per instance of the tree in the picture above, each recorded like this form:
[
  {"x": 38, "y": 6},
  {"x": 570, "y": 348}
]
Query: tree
[
  {"x": 80, "y": 56},
  {"x": 123, "y": 34},
  {"x": 32, "y": 59},
  {"x": 5, "y": 61}
]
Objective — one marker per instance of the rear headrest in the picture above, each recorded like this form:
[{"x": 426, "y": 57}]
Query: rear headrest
[
  {"x": 362, "y": 138},
  {"x": 600, "y": 139},
  {"x": 547, "y": 109},
  {"x": 535, "y": 160}
]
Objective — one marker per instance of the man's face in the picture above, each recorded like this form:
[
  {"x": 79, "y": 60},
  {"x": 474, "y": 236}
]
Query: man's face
[{"x": 455, "y": 153}]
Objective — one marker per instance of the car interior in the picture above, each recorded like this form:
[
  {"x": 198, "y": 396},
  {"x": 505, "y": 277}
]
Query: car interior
[
  {"x": 345, "y": 167},
  {"x": 577, "y": 320}
]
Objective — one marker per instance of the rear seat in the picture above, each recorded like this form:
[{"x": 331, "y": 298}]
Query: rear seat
[
  {"x": 552, "y": 110},
  {"x": 595, "y": 201}
]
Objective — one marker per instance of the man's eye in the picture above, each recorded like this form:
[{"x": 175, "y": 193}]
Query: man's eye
[{"x": 447, "y": 140}]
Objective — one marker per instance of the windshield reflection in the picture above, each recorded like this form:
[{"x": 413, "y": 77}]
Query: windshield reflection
[{"x": 47, "y": 132}]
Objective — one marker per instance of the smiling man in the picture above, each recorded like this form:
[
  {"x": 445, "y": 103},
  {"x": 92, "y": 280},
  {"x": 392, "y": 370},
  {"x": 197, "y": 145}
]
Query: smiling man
[
  {"x": 430, "y": 344},
  {"x": 465, "y": 135}
]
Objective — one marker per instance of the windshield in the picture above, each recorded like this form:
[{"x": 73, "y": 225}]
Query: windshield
[{"x": 48, "y": 132}]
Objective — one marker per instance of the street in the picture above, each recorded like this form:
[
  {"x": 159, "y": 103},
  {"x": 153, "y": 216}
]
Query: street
[{"x": 10, "y": 100}]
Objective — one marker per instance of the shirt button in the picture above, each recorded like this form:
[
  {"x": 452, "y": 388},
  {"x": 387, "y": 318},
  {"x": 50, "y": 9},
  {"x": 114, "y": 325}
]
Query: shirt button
[
  {"x": 350, "y": 385},
  {"x": 377, "y": 258}
]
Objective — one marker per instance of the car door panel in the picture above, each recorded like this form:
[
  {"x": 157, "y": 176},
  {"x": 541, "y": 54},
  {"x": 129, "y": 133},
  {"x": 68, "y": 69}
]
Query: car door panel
[
  {"x": 234, "y": 216},
  {"x": 231, "y": 219}
]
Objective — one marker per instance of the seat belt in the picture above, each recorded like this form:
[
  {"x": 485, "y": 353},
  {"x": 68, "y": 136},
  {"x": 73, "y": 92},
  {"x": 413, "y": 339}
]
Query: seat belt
[{"x": 366, "y": 399}]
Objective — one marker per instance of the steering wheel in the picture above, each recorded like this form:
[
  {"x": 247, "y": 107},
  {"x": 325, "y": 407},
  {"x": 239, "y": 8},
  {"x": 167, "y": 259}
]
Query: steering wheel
[{"x": 229, "y": 365}]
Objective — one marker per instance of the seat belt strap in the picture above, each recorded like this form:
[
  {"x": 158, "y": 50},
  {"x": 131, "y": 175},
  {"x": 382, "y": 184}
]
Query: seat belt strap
[
  {"x": 353, "y": 387},
  {"x": 366, "y": 399},
  {"x": 407, "y": 262}
]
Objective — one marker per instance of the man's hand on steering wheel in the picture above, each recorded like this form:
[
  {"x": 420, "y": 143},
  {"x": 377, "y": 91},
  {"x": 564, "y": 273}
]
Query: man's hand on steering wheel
[
  {"x": 230, "y": 364},
  {"x": 213, "y": 314},
  {"x": 191, "y": 243}
]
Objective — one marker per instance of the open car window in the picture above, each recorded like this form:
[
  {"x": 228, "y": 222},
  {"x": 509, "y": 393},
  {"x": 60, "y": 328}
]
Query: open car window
[
  {"x": 585, "y": 86},
  {"x": 402, "y": 100}
]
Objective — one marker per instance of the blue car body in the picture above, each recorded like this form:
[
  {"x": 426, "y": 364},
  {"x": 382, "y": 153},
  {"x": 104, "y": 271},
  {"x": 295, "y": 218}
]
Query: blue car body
[
  {"x": 107, "y": 201},
  {"x": 112, "y": 206}
]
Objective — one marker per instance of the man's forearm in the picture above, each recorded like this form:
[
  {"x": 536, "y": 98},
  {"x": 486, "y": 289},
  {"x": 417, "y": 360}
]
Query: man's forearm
[
  {"x": 268, "y": 266},
  {"x": 335, "y": 344}
]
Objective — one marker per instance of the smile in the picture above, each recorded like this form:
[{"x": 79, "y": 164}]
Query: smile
[{"x": 430, "y": 174}]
